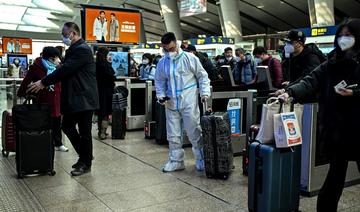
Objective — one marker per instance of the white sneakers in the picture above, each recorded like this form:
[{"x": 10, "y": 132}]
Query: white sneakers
[
  {"x": 61, "y": 148},
  {"x": 171, "y": 166}
]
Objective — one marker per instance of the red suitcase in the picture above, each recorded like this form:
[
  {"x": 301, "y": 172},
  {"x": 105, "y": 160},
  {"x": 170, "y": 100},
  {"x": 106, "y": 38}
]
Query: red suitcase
[
  {"x": 254, "y": 130},
  {"x": 7, "y": 134}
]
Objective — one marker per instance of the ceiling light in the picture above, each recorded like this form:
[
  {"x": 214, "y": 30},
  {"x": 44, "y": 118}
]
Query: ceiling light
[
  {"x": 260, "y": 6},
  {"x": 199, "y": 21},
  {"x": 32, "y": 29},
  {"x": 8, "y": 26},
  {"x": 53, "y": 5},
  {"x": 207, "y": 19},
  {"x": 26, "y": 3},
  {"x": 39, "y": 21},
  {"x": 11, "y": 14},
  {"x": 40, "y": 12}
]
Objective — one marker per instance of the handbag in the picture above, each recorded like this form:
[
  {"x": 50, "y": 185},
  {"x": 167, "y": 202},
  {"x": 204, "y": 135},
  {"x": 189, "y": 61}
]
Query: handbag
[
  {"x": 287, "y": 131},
  {"x": 272, "y": 107},
  {"x": 31, "y": 115}
]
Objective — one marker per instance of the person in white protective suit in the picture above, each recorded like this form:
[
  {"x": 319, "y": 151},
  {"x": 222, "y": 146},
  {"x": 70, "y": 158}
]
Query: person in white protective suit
[{"x": 177, "y": 78}]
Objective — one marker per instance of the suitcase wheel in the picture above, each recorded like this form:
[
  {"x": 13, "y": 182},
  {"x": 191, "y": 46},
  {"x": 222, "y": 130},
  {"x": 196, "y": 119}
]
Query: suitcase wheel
[
  {"x": 52, "y": 173},
  {"x": 226, "y": 176},
  {"x": 5, "y": 153},
  {"x": 20, "y": 176}
]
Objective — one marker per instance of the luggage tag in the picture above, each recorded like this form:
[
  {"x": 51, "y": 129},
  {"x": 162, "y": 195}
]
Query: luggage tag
[{"x": 341, "y": 84}]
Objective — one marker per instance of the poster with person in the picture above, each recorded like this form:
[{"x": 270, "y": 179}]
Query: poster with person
[{"x": 112, "y": 25}]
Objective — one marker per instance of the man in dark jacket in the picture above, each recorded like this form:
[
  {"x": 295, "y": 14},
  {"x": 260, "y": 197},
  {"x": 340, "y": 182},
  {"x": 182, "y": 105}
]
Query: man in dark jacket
[
  {"x": 274, "y": 65},
  {"x": 300, "y": 59},
  {"x": 205, "y": 62},
  {"x": 227, "y": 59},
  {"x": 79, "y": 95}
]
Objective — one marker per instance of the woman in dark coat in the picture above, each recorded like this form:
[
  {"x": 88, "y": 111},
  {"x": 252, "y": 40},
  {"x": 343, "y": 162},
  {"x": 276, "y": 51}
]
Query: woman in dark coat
[
  {"x": 339, "y": 109},
  {"x": 105, "y": 76},
  {"x": 42, "y": 67}
]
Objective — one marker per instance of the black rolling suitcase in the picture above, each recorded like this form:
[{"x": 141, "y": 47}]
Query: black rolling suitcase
[
  {"x": 118, "y": 124},
  {"x": 218, "y": 152},
  {"x": 118, "y": 116},
  {"x": 160, "y": 121},
  {"x": 34, "y": 144}
]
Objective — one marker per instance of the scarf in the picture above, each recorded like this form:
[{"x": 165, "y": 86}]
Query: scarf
[{"x": 50, "y": 67}]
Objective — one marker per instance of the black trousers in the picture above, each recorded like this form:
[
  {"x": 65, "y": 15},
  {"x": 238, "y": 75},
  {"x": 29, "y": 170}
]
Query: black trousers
[
  {"x": 332, "y": 189},
  {"x": 81, "y": 139},
  {"x": 56, "y": 130}
]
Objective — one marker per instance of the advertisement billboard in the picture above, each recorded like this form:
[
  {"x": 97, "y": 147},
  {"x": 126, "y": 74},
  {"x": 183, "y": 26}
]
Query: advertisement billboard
[
  {"x": 191, "y": 7},
  {"x": 111, "y": 25},
  {"x": 17, "y": 45}
]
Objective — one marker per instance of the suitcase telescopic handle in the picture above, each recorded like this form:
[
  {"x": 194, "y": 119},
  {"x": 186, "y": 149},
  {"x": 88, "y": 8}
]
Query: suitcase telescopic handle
[{"x": 207, "y": 110}]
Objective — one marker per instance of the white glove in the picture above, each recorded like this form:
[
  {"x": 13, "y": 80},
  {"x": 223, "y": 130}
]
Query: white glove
[{"x": 204, "y": 98}]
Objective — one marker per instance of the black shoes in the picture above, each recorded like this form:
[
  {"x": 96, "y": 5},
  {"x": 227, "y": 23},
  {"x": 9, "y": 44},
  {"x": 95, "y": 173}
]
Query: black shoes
[
  {"x": 80, "y": 170},
  {"x": 77, "y": 164}
]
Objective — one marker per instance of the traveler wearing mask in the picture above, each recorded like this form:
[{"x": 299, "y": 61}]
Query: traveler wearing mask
[
  {"x": 300, "y": 59},
  {"x": 42, "y": 67},
  {"x": 245, "y": 70},
  {"x": 274, "y": 65},
  {"x": 339, "y": 112},
  {"x": 177, "y": 77},
  {"x": 79, "y": 95},
  {"x": 62, "y": 52},
  {"x": 105, "y": 77},
  {"x": 205, "y": 62},
  {"x": 147, "y": 69},
  {"x": 227, "y": 59}
]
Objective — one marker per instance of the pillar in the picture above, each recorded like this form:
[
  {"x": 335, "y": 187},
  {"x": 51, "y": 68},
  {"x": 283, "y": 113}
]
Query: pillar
[
  {"x": 230, "y": 19},
  {"x": 170, "y": 13},
  {"x": 321, "y": 13},
  {"x": 142, "y": 31}
]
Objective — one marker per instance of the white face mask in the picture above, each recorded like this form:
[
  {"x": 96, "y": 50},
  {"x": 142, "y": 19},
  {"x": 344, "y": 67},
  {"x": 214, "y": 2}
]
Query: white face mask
[
  {"x": 67, "y": 41},
  {"x": 238, "y": 59},
  {"x": 172, "y": 54},
  {"x": 289, "y": 48},
  {"x": 346, "y": 42},
  {"x": 145, "y": 61},
  {"x": 228, "y": 58}
]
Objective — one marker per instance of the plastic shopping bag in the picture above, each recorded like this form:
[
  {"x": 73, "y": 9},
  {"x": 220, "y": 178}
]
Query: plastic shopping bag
[
  {"x": 272, "y": 107},
  {"x": 266, "y": 131},
  {"x": 287, "y": 131}
]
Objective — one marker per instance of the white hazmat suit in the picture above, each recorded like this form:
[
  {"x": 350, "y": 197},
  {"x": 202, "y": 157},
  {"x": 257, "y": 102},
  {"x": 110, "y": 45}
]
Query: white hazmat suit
[{"x": 179, "y": 78}]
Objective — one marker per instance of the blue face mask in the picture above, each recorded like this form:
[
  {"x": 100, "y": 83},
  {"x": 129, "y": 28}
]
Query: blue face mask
[{"x": 289, "y": 49}]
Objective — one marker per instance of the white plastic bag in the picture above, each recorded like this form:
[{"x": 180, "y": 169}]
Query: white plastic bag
[
  {"x": 271, "y": 108},
  {"x": 266, "y": 131}
]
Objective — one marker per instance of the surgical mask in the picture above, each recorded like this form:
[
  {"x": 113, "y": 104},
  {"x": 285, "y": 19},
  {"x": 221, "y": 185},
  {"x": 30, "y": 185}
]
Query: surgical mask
[
  {"x": 228, "y": 58},
  {"x": 289, "y": 49},
  {"x": 63, "y": 54},
  {"x": 172, "y": 54},
  {"x": 258, "y": 60},
  {"x": 237, "y": 59},
  {"x": 145, "y": 61},
  {"x": 346, "y": 42},
  {"x": 67, "y": 41}
]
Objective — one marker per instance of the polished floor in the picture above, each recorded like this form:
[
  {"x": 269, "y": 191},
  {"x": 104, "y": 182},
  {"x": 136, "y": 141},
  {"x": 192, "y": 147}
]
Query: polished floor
[{"x": 126, "y": 176}]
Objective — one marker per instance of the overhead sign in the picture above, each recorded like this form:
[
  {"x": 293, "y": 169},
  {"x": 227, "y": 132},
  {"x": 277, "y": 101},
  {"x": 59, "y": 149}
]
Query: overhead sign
[
  {"x": 17, "y": 45},
  {"x": 191, "y": 7},
  {"x": 147, "y": 46},
  {"x": 112, "y": 25},
  {"x": 211, "y": 40},
  {"x": 319, "y": 31},
  {"x": 234, "y": 109}
]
